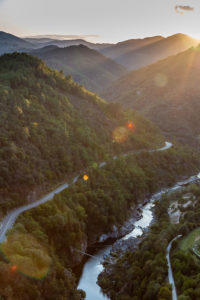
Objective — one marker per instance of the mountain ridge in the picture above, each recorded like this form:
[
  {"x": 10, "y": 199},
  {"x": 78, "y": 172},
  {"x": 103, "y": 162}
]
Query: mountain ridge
[
  {"x": 167, "y": 92},
  {"x": 10, "y": 43},
  {"x": 87, "y": 66},
  {"x": 51, "y": 122},
  {"x": 151, "y": 50}
]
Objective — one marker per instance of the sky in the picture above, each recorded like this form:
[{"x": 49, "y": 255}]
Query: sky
[{"x": 100, "y": 20}]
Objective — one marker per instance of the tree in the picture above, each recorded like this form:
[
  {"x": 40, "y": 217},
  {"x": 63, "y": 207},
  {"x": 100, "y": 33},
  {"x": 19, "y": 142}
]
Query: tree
[{"x": 165, "y": 293}]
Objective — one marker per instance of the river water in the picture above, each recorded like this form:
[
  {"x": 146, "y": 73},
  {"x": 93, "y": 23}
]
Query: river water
[{"x": 93, "y": 266}]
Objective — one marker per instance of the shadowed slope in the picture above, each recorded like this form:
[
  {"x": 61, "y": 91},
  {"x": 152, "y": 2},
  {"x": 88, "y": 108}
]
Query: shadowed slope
[
  {"x": 10, "y": 43},
  {"x": 87, "y": 66}
]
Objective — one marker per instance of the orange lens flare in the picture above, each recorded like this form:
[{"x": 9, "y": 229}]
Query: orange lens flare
[
  {"x": 85, "y": 177},
  {"x": 13, "y": 268},
  {"x": 130, "y": 125},
  {"x": 26, "y": 255}
]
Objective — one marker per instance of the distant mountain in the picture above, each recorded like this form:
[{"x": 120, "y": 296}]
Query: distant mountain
[
  {"x": 10, "y": 43},
  {"x": 125, "y": 47},
  {"x": 43, "y": 42},
  {"x": 87, "y": 67},
  {"x": 168, "y": 92},
  {"x": 134, "y": 54}
]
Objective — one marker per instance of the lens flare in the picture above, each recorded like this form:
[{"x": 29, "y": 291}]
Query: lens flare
[
  {"x": 13, "y": 268},
  {"x": 130, "y": 125},
  {"x": 85, "y": 177},
  {"x": 160, "y": 80},
  {"x": 26, "y": 255},
  {"x": 120, "y": 134}
]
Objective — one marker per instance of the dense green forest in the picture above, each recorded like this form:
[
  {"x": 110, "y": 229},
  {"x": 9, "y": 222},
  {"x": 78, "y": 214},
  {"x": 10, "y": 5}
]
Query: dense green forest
[
  {"x": 143, "y": 273},
  {"x": 52, "y": 127},
  {"x": 78, "y": 216}
]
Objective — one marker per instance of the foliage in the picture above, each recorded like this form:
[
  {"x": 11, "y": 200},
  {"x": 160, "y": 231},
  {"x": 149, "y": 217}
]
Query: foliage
[
  {"x": 142, "y": 274},
  {"x": 26, "y": 254},
  {"x": 80, "y": 214},
  {"x": 145, "y": 270},
  {"x": 189, "y": 241},
  {"x": 86, "y": 66},
  {"x": 51, "y": 127},
  {"x": 167, "y": 92}
]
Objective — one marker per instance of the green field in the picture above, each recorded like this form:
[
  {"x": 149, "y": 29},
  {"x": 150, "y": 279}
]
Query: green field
[{"x": 190, "y": 240}]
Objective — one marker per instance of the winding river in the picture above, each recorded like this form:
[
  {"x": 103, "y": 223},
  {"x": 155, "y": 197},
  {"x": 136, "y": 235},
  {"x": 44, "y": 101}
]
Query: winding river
[
  {"x": 9, "y": 220},
  {"x": 93, "y": 266}
]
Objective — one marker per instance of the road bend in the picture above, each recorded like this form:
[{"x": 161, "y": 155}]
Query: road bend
[{"x": 11, "y": 217}]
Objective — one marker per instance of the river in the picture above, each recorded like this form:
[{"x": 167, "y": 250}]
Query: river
[
  {"x": 93, "y": 266},
  {"x": 9, "y": 220}
]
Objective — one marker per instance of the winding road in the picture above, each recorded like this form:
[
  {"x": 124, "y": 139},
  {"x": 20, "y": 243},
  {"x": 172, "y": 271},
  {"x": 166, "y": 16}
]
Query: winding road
[
  {"x": 11, "y": 217},
  {"x": 170, "y": 273}
]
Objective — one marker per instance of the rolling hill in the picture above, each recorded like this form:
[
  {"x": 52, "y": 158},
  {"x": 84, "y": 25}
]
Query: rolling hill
[
  {"x": 125, "y": 47},
  {"x": 134, "y": 54},
  {"x": 51, "y": 40},
  {"x": 51, "y": 127},
  {"x": 131, "y": 54},
  {"x": 11, "y": 43},
  {"x": 167, "y": 92},
  {"x": 87, "y": 67}
]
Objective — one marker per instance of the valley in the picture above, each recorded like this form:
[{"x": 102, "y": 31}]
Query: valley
[
  {"x": 165, "y": 92},
  {"x": 99, "y": 161},
  {"x": 117, "y": 262},
  {"x": 8, "y": 222}
]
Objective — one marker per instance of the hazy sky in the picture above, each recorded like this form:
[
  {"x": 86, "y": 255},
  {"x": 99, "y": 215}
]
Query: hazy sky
[{"x": 110, "y": 20}]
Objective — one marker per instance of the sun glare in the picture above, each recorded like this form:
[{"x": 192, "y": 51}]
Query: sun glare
[
  {"x": 26, "y": 255},
  {"x": 13, "y": 268},
  {"x": 85, "y": 177},
  {"x": 130, "y": 125}
]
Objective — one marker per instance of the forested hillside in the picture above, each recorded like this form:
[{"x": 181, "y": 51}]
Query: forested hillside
[
  {"x": 51, "y": 128},
  {"x": 45, "y": 242},
  {"x": 167, "y": 92},
  {"x": 86, "y": 66},
  {"x": 142, "y": 274}
]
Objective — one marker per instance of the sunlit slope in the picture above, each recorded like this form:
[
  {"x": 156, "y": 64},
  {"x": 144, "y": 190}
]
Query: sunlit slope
[
  {"x": 51, "y": 128},
  {"x": 87, "y": 67},
  {"x": 168, "y": 92},
  {"x": 140, "y": 53},
  {"x": 126, "y": 47}
]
